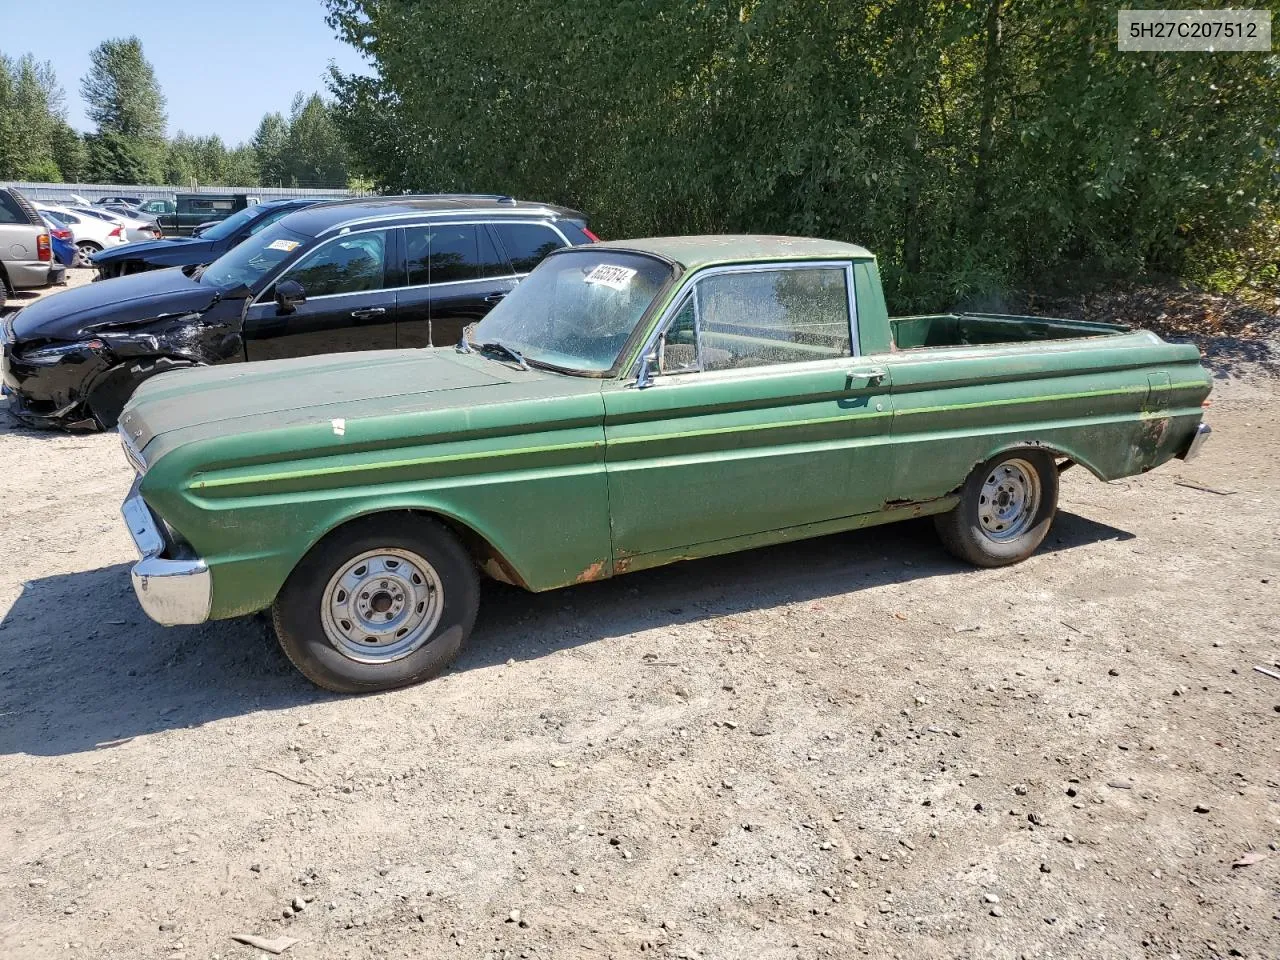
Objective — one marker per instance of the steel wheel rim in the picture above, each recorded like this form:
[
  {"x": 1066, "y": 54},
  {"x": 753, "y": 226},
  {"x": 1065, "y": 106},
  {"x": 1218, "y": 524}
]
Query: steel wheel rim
[
  {"x": 382, "y": 605},
  {"x": 83, "y": 253},
  {"x": 1009, "y": 500}
]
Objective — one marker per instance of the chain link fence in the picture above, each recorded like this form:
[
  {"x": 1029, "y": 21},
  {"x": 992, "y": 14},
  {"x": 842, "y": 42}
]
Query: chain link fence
[{"x": 49, "y": 192}]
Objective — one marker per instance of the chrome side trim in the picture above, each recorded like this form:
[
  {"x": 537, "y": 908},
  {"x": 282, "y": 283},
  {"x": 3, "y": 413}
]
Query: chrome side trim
[
  {"x": 1197, "y": 442},
  {"x": 170, "y": 591}
]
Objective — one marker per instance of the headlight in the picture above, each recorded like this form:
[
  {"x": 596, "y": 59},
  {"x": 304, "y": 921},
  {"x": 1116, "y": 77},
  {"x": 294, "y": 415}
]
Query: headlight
[{"x": 53, "y": 354}]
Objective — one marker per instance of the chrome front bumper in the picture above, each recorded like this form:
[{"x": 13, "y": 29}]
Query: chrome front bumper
[
  {"x": 1193, "y": 448},
  {"x": 170, "y": 591}
]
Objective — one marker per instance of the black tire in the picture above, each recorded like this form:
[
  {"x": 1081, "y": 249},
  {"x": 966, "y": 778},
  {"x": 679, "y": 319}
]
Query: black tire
[
  {"x": 84, "y": 250},
  {"x": 4, "y": 289},
  {"x": 300, "y": 621},
  {"x": 972, "y": 530}
]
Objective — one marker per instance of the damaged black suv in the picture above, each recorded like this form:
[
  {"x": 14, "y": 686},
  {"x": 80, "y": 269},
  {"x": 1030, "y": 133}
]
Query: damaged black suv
[{"x": 369, "y": 274}]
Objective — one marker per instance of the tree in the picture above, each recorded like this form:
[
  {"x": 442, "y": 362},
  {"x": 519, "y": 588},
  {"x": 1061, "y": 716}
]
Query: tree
[
  {"x": 270, "y": 143},
  {"x": 976, "y": 145},
  {"x": 125, "y": 102},
  {"x": 69, "y": 152},
  {"x": 32, "y": 105},
  {"x": 122, "y": 93},
  {"x": 315, "y": 154},
  {"x": 115, "y": 158}
]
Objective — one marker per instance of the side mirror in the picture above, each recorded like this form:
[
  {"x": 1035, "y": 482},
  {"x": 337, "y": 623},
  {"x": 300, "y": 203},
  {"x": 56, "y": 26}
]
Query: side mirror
[
  {"x": 651, "y": 363},
  {"x": 289, "y": 295}
]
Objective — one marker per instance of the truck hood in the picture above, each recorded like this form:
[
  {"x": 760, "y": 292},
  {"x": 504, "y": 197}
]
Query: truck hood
[
  {"x": 78, "y": 312},
  {"x": 324, "y": 395}
]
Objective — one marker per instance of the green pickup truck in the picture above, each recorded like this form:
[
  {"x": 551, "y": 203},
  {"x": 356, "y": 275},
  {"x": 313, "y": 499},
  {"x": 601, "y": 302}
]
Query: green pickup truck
[{"x": 628, "y": 405}]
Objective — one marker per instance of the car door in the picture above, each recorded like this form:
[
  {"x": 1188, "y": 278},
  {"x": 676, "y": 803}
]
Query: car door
[
  {"x": 350, "y": 286},
  {"x": 760, "y": 418},
  {"x": 455, "y": 276}
]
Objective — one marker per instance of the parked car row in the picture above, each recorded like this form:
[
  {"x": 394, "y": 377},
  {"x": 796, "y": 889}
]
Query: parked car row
[
  {"x": 545, "y": 409},
  {"x": 296, "y": 278}
]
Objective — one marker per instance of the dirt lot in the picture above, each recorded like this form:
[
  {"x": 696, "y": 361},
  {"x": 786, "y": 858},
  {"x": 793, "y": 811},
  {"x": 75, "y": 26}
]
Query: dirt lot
[{"x": 848, "y": 746}]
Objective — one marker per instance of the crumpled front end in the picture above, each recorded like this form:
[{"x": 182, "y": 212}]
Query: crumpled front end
[{"x": 82, "y": 384}]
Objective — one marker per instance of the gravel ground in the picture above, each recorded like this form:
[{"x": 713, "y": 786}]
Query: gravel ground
[{"x": 853, "y": 745}]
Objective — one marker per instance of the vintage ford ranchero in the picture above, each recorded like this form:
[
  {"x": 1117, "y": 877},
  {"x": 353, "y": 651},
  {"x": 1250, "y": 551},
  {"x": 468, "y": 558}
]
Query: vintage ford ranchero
[{"x": 628, "y": 405}]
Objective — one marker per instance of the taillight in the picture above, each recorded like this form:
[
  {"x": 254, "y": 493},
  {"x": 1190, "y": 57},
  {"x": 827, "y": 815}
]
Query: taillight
[
  {"x": 44, "y": 248},
  {"x": 594, "y": 238},
  {"x": 61, "y": 235},
  {"x": 117, "y": 232}
]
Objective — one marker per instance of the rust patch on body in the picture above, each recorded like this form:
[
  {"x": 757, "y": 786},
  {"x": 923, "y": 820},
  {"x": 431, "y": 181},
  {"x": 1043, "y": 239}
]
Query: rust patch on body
[{"x": 593, "y": 572}]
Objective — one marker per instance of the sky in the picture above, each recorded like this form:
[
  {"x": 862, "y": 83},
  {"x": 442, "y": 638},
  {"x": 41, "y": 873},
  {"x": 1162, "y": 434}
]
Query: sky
[{"x": 220, "y": 65}]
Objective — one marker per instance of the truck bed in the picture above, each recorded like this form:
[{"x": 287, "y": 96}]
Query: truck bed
[{"x": 972, "y": 329}]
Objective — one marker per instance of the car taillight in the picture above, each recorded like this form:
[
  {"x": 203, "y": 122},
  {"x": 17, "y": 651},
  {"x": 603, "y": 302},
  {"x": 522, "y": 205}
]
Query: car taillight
[
  {"x": 117, "y": 232},
  {"x": 594, "y": 238},
  {"x": 61, "y": 235},
  {"x": 44, "y": 248}
]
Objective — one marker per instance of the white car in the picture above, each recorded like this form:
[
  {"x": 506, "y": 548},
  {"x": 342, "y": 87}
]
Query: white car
[
  {"x": 134, "y": 228},
  {"x": 89, "y": 234}
]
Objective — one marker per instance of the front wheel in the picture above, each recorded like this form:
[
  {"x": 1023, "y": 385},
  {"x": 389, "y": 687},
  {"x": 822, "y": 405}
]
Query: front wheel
[
  {"x": 380, "y": 603},
  {"x": 1005, "y": 510}
]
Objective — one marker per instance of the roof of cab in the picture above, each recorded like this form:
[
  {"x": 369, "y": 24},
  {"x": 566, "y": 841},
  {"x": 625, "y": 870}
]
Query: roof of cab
[
  {"x": 695, "y": 252},
  {"x": 334, "y": 214}
]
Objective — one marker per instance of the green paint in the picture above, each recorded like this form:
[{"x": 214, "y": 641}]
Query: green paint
[{"x": 556, "y": 473}]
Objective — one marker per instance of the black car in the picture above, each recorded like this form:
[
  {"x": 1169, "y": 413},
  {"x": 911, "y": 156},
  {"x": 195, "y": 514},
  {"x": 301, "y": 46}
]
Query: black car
[
  {"x": 365, "y": 274},
  {"x": 216, "y": 240}
]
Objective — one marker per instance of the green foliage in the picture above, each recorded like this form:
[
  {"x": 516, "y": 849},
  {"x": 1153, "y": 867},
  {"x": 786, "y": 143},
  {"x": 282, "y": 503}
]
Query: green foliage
[
  {"x": 270, "y": 144},
  {"x": 974, "y": 144},
  {"x": 32, "y": 108},
  {"x": 116, "y": 158},
  {"x": 36, "y": 143},
  {"x": 122, "y": 92}
]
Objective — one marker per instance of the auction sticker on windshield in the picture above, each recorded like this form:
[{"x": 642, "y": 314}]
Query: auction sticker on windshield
[
  {"x": 288, "y": 246},
  {"x": 611, "y": 276}
]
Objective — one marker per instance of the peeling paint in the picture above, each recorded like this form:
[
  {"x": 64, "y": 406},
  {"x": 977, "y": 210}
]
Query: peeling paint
[{"x": 593, "y": 572}]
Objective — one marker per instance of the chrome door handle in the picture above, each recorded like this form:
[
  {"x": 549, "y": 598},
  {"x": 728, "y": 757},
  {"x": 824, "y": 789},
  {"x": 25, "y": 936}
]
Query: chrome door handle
[
  {"x": 870, "y": 377},
  {"x": 368, "y": 312},
  {"x": 495, "y": 297}
]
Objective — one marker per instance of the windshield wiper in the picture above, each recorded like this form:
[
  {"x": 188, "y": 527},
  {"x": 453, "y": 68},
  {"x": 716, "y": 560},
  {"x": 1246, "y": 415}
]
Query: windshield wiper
[{"x": 511, "y": 352}]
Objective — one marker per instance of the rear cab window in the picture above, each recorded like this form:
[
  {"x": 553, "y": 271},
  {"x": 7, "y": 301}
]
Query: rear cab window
[{"x": 526, "y": 244}]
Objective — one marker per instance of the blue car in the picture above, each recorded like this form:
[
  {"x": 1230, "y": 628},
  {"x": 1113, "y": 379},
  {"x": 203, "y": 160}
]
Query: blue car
[{"x": 60, "y": 237}]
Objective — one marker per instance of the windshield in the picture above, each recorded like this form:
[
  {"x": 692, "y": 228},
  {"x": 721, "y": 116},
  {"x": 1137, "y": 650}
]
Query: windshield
[
  {"x": 225, "y": 228},
  {"x": 577, "y": 309},
  {"x": 250, "y": 262}
]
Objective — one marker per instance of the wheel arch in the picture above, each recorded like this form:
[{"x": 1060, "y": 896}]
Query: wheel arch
[
  {"x": 1054, "y": 448},
  {"x": 482, "y": 546}
]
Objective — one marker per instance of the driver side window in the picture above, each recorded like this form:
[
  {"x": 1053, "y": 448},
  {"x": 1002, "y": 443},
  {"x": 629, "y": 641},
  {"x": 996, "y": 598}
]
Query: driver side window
[
  {"x": 355, "y": 263},
  {"x": 679, "y": 348},
  {"x": 759, "y": 318}
]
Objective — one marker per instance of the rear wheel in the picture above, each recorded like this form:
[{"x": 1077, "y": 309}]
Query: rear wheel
[
  {"x": 381, "y": 603},
  {"x": 1005, "y": 510},
  {"x": 4, "y": 289},
  {"x": 85, "y": 249}
]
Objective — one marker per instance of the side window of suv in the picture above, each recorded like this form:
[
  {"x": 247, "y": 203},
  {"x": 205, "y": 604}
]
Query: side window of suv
[
  {"x": 449, "y": 253},
  {"x": 527, "y": 243},
  {"x": 10, "y": 212},
  {"x": 349, "y": 264}
]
